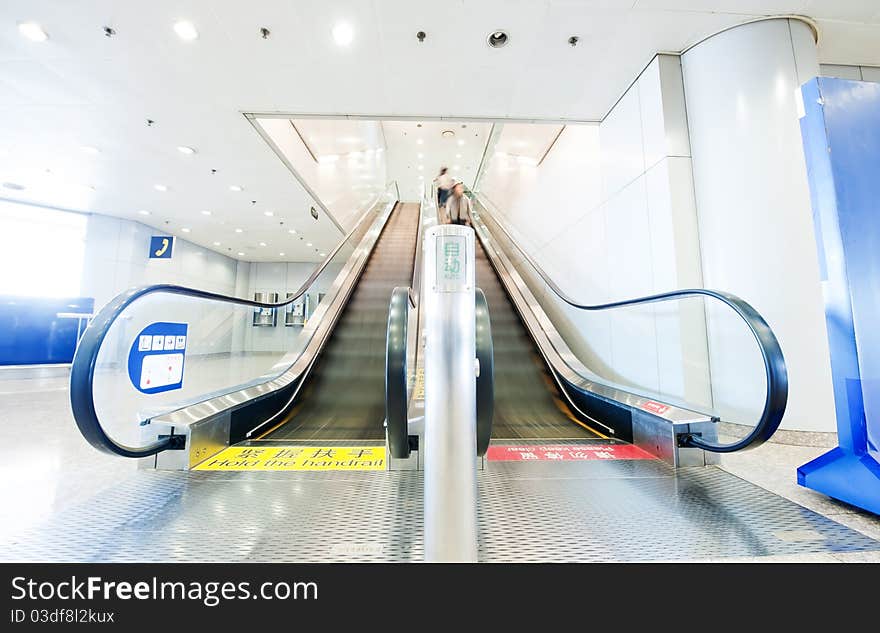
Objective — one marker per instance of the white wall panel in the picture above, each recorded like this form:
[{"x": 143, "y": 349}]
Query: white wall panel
[
  {"x": 754, "y": 212},
  {"x": 620, "y": 137},
  {"x": 841, "y": 71},
  {"x": 116, "y": 258},
  {"x": 610, "y": 215},
  {"x": 674, "y": 106},
  {"x": 855, "y": 73},
  {"x": 280, "y": 278},
  {"x": 651, "y": 113},
  {"x": 870, "y": 73}
]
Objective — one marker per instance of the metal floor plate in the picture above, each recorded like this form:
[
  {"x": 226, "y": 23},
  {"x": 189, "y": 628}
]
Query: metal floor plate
[{"x": 535, "y": 512}]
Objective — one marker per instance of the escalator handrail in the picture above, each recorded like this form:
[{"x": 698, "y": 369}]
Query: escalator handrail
[
  {"x": 771, "y": 352},
  {"x": 415, "y": 285},
  {"x": 485, "y": 352},
  {"x": 85, "y": 359},
  {"x": 397, "y": 423}
]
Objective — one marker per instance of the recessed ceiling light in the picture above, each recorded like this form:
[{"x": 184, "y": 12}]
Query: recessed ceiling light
[
  {"x": 160, "y": 187},
  {"x": 421, "y": 167},
  {"x": 262, "y": 243},
  {"x": 236, "y": 188},
  {"x": 144, "y": 212},
  {"x": 13, "y": 185},
  {"x": 33, "y": 31},
  {"x": 461, "y": 141},
  {"x": 280, "y": 254},
  {"x": 497, "y": 39},
  {"x": 185, "y": 230},
  {"x": 343, "y": 33},
  {"x": 206, "y": 213},
  {"x": 420, "y": 155},
  {"x": 216, "y": 243},
  {"x": 308, "y": 243},
  {"x": 458, "y": 155},
  {"x": 323, "y": 254},
  {"x": 90, "y": 149},
  {"x": 419, "y": 141},
  {"x": 185, "y": 30},
  {"x": 241, "y": 254},
  {"x": 456, "y": 167},
  {"x": 421, "y": 177},
  {"x": 269, "y": 213},
  {"x": 238, "y": 230},
  {"x": 292, "y": 231},
  {"x": 184, "y": 149}
]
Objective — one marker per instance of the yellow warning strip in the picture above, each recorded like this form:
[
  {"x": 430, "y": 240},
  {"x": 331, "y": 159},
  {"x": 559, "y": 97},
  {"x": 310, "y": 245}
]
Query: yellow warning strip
[
  {"x": 571, "y": 417},
  {"x": 291, "y": 458},
  {"x": 567, "y": 412}
]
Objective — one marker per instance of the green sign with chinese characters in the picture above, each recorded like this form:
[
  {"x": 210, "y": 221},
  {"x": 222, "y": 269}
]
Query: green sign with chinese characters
[{"x": 451, "y": 263}]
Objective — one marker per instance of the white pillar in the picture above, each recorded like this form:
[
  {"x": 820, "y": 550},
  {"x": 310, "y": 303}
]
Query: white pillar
[{"x": 754, "y": 214}]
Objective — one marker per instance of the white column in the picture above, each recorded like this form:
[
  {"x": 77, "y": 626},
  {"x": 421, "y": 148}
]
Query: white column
[{"x": 754, "y": 214}]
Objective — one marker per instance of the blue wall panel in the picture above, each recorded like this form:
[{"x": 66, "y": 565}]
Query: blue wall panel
[
  {"x": 31, "y": 333},
  {"x": 841, "y": 134}
]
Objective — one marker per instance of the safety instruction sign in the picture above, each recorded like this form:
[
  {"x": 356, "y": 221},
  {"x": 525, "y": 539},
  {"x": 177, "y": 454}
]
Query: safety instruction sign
[
  {"x": 297, "y": 458},
  {"x": 655, "y": 407},
  {"x": 156, "y": 357},
  {"x": 577, "y": 452},
  {"x": 419, "y": 389}
]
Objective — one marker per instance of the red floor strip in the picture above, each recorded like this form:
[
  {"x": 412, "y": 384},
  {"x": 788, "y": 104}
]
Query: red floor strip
[{"x": 565, "y": 453}]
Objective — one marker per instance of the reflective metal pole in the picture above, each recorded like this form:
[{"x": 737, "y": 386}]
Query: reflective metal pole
[{"x": 450, "y": 395}]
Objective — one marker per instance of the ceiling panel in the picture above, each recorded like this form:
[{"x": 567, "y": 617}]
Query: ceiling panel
[
  {"x": 527, "y": 140},
  {"x": 334, "y": 137},
  {"x": 82, "y": 88},
  {"x": 460, "y": 153}
]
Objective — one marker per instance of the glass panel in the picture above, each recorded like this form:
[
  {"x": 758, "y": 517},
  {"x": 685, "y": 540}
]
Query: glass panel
[
  {"x": 166, "y": 351},
  {"x": 694, "y": 352}
]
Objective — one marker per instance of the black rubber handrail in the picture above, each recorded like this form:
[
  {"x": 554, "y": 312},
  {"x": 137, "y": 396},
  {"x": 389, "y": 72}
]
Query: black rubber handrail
[
  {"x": 771, "y": 352},
  {"x": 396, "y": 418},
  {"x": 486, "y": 378},
  {"x": 396, "y": 374},
  {"x": 82, "y": 370}
]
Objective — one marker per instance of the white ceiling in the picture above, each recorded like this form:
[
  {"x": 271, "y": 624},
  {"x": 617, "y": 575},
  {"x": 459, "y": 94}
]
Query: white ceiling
[
  {"x": 528, "y": 141},
  {"x": 81, "y": 88},
  {"x": 347, "y": 184},
  {"x": 327, "y": 138},
  {"x": 460, "y": 153}
]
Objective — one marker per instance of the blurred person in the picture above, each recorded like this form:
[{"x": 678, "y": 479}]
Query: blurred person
[
  {"x": 444, "y": 184},
  {"x": 458, "y": 206}
]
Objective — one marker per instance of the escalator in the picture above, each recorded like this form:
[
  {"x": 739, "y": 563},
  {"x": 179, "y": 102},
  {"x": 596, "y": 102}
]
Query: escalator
[
  {"x": 543, "y": 391},
  {"x": 244, "y": 376},
  {"x": 344, "y": 396},
  {"x": 528, "y": 404}
]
